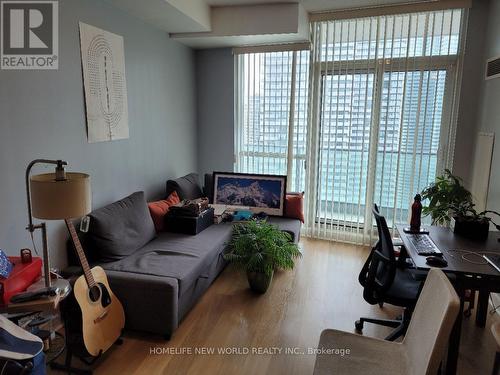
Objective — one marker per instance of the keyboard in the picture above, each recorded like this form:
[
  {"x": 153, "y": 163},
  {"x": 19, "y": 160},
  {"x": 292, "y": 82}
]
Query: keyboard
[{"x": 423, "y": 244}]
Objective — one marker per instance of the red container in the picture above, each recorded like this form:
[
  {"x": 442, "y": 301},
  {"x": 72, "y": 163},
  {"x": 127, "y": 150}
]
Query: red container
[{"x": 21, "y": 277}]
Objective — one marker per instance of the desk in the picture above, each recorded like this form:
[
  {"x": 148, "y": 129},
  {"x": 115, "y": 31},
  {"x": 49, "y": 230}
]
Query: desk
[{"x": 467, "y": 275}]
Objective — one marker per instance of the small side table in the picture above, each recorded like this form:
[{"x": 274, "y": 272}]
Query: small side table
[
  {"x": 47, "y": 304},
  {"x": 495, "y": 330},
  {"x": 42, "y": 304}
]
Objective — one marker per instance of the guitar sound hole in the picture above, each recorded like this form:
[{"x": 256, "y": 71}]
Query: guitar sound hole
[{"x": 94, "y": 293}]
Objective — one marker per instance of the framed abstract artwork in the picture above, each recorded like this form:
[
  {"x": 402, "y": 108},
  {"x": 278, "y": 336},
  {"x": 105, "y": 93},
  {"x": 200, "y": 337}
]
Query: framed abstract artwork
[{"x": 103, "y": 65}]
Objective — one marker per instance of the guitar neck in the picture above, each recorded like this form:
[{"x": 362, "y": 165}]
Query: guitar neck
[{"x": 81, "y": 254}]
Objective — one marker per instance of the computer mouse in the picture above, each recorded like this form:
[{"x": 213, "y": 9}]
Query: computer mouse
[{"x": 436, "y": 261}]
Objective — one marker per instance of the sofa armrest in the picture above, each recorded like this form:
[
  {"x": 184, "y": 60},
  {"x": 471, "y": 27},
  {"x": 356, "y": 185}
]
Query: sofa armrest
[
  {"x": 150, "y": 302},
  {"x": 71, "y": 272},
  {"x": 290, "y": 226}
]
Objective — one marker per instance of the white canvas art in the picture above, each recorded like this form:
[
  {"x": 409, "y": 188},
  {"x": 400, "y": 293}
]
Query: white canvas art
[{"x": 103, "y": 64}]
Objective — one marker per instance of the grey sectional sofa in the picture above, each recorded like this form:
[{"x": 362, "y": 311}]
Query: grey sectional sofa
[{"x": 158, "y": 278}]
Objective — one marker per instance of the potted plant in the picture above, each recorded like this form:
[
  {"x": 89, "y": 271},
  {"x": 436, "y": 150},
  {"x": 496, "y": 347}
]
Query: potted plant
[
  {"x": 449, "y": 199},
  {"x": 260, "y": 248}
]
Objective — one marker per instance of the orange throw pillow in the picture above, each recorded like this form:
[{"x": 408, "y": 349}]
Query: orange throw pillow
[
  {"x": 294, "y": 206},
  {"x": 159, "y": 209}
]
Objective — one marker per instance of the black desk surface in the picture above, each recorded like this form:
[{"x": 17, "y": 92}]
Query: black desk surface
[{"x": 447, "y": 241}]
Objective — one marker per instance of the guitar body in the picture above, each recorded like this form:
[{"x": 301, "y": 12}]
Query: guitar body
[{"x": 102, "y": 313}]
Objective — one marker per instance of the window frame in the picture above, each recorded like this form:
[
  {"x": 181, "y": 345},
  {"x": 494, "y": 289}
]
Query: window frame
[
  {"x": 289, "y": 155},
  {"x": 447, "y": 63}
]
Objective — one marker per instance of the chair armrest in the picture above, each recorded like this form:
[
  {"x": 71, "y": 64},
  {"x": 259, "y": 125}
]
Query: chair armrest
[
  {"x": 377, "y": 258},
  {"x": 403, "y": 255}
]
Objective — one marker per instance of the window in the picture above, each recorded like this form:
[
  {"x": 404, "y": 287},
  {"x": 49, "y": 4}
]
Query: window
[
  {"x": 370, "y": 112},
  {"x": 267, "y": 85}
]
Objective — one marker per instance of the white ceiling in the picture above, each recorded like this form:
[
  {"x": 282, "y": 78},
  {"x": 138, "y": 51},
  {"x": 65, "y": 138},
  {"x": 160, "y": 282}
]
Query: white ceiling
[
  {"x": 254, "y": 24},
  {"x": 314, "y": 5},
  {"x": 169, "y": 15},
  {"x": 234, "y": 23}
]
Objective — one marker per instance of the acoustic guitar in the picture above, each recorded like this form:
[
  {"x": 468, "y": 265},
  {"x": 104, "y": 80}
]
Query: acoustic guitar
[{"x": 102, "y": 313}]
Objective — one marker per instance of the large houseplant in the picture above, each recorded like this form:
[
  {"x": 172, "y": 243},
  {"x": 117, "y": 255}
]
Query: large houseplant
[
  {"x": 449, "y": 199},
  {"x": 259, "y": 248}
]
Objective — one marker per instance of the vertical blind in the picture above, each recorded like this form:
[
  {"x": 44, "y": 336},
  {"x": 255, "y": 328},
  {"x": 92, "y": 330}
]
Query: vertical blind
[
  {"x": 367, "y": 116},
  {"x": 272, "y": 99},
  {"x": 383, "y": 109}
]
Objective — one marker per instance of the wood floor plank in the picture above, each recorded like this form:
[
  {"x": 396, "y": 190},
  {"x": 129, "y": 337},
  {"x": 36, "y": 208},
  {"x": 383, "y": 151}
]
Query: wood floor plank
[{"x": 321, "y": 292}]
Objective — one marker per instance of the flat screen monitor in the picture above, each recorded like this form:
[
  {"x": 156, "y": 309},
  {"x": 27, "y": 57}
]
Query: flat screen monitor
[{"x": 261, "y": 193}]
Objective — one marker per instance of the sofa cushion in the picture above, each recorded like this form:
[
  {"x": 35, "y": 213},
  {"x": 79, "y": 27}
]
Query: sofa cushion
[
  {"x": 294, "y": 206},
  {"x": 180, "y": 256},
  {"x": 187, "y": 187},
  {"x": 159, "y": 209},
  {"x": 121, "y": 228}
]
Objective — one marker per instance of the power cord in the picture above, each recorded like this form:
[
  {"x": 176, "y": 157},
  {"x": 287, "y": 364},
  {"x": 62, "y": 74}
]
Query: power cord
[{"x": 466, "y": 253}]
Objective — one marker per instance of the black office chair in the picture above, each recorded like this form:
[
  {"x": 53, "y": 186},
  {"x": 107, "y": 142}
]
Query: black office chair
[{"x": 386, "y": 281}]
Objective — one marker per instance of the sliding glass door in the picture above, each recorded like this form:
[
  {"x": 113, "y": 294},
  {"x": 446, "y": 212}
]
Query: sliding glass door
[
  {"x": 406, "y": 154},
  {"x": 411, "y": 124},
  {"x": 381, "y": 117},
  {"x": 346, "y": 109}
]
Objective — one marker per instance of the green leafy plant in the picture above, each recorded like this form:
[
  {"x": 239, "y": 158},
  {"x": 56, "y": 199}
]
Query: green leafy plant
[
  {"x": 257, "y": 246},
  {"x": 448, "y": 198},
  {"x": 444, "y": 195}
]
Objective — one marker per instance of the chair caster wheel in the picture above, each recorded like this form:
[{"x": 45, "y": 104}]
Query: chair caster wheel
[{"x": 359, "y": 325}]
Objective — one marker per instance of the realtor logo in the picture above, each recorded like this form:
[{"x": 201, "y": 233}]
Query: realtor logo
[{"x": 29, "y": 37}]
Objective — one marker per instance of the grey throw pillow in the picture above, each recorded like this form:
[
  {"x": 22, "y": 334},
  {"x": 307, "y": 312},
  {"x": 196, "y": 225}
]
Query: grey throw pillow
[
  {"x": 187, "y": 187},
  {"x": 121, "y": 228}
]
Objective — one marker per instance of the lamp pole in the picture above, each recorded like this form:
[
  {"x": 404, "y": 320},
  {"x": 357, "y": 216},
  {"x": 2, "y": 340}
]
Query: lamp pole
[{"x": 60, "y": 176}]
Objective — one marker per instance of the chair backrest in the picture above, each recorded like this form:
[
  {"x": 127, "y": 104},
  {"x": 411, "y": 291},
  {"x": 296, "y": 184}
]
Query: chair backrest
[
  {"x": 379, "y": 270},
  {"x": 384, "y": 236},
  {"x": 426, "y": 340}
]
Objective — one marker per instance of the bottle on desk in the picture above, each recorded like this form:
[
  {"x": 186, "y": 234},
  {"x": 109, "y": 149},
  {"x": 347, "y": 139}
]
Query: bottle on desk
[{"x": 416, "y": 214}]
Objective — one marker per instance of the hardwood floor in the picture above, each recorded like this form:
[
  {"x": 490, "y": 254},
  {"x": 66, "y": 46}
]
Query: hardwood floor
[{"x": 321, "y": 292}]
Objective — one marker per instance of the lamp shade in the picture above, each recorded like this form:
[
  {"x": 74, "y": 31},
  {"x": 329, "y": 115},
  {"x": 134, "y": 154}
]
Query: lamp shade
[{"x": 58, "y": 200}]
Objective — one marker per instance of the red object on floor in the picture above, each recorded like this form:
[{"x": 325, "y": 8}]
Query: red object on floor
[{"x": 21, "y": 277}]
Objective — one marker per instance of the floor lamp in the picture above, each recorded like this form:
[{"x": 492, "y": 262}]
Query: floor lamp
[{"x": 55, "y": 196}]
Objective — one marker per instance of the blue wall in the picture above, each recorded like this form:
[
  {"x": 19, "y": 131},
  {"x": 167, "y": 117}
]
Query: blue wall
[{"x": 42, "y": 115}]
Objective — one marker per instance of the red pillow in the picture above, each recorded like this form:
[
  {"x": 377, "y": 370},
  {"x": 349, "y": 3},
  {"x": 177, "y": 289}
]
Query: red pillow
[
  {"x": 294, "y": 206},
  {"x": 159, "y": 209}
]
